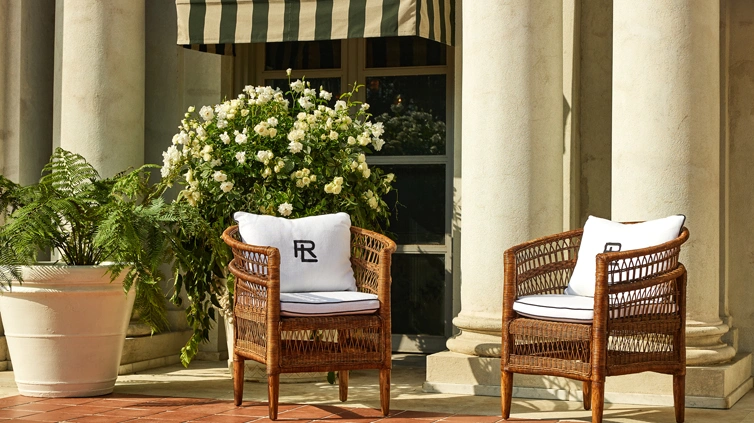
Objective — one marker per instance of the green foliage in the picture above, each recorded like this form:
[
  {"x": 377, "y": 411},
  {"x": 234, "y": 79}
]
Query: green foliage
[{"x": 90, "y": 220}]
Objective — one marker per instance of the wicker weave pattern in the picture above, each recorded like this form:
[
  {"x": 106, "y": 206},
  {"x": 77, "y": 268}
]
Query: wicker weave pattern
[
  {"x": 638, "y": 325},
  {"x": 309, "y": 344}
]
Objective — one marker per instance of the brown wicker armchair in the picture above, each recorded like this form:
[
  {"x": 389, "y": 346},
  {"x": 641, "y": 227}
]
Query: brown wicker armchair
[
  {"x": 638, "y": 323},
  {"x": 313, "y": 343}
]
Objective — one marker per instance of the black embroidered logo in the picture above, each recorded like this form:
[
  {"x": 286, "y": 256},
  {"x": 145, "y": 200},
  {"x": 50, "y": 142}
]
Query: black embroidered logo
[
  {"x": 612, "y": 247},
  {"x": 304, "y": 247}
]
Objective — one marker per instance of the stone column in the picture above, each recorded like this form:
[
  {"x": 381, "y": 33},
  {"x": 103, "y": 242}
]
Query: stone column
[
  {"x": 26, "y": 88},
  {"x": 666, "y": 143},
  {"x": 512, "y": 142},
  {"x": 102, "y": 82}
]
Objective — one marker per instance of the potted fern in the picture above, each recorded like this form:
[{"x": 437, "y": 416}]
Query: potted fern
[{"x": 66, "y": 321}]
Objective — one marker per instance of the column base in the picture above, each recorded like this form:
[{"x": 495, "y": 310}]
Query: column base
[{"x": 718, "y": 386}]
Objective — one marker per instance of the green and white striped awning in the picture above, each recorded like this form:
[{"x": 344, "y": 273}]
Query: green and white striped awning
[{"x": 260, "y": 21}]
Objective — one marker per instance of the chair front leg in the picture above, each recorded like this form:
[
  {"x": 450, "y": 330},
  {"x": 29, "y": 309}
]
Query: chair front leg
[
  {"x": 506, "y": 392},
  {"x": 238, "y": 379}
]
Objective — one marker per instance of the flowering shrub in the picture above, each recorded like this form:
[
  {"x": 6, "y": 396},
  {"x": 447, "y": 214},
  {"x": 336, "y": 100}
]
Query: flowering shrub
[
  {"x": 269, "y": 152},
  {"x": 260, "y": 153}
]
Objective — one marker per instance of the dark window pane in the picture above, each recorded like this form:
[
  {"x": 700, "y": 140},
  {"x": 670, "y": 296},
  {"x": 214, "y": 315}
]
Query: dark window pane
[
  {"x": 302, "y": 55},
  {"x": 329, "y": 84},
  {"x": 418, "y": 294},
  {"x": 419, "y": 216},
  {"x": 404, "y": 51},
  {"x": 412, "y": 110}
]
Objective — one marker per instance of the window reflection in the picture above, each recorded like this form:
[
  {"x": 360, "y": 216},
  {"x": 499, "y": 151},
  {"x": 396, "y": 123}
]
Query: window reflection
[{"x": 412, "y": 110}]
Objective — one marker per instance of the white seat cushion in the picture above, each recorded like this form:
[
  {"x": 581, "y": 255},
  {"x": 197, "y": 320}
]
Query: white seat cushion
[
  {"x": 327, "y": 303},
  {"x": 580, "y": 309},
  {"x": 315, "y": 251},
  {"x": 601, "y": 235},
  {"x": 557, "y": 307}
]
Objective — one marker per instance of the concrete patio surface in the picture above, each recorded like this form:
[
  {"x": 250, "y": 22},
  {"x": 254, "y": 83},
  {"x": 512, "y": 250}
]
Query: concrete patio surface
[{"x": 211, "y": 380}]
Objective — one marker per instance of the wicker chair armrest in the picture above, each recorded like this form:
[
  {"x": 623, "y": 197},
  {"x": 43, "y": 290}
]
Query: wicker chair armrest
[
  {"x": 371, "y": 256},
  {"x": 540, "y": 266},
  {"x": 650, "y": 280}
]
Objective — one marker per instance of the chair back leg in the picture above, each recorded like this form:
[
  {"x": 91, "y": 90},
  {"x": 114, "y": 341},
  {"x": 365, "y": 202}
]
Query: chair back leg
[
  {"x": 679, "y": 397},
  {"x": 273, "y": 392},
  {"x": 598, "y": 400},
  {"x": 385, "y": 391},
  {"x": 586, "y": 393},
  {"x": 506, "y": 392},
  {"x": 238, "y": 376},
  {"x": 343, "y": 385}
]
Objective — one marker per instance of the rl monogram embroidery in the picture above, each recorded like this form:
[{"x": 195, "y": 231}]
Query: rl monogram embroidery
[{"x": 304, "y": 247}]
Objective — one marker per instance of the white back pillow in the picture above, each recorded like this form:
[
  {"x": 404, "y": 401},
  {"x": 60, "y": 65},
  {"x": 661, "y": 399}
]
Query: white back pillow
[
  {"x": 315, "y": 251},
  {"x": 601, "y": 235}
]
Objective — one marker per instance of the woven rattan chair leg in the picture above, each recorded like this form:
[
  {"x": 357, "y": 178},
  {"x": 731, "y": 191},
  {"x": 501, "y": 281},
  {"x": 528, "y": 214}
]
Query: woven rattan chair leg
[
  {"x": 385, "y": 391},
  {"x": 343, "y": 385},
  {"x": 586, "y": 393},
  {"x": 506, "y": 392},
  {"x": 679, "y": 397},
  {"x": 598, "y": 401},
  {"x": 273, "y": 391},
  {"x": 238, "y": 369}
]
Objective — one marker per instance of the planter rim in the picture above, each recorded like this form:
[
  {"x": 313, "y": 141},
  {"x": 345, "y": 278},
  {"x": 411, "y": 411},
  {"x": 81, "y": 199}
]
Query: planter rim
[{"x": 57, "y": 275}]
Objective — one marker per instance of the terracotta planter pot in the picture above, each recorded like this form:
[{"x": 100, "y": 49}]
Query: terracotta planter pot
[{"x": 65, "y": 327}]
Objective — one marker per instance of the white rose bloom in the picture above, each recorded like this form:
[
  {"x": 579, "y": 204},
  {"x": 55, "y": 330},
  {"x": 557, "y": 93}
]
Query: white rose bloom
[
  {"x": 377, "y": 129},
  {"x": 378, "y": 143},
  {"x": 245, "y": 112},
  {"x": 305, "y": 102},
  {"x": 272, "y": 121},
  {"x": 297, "y": 86},
  {"x": 389, "y": 177},
  {"x": 241, "y": 138},
  {"x": 191, "y": 109},
  {"x": 219, "y": 176},
  {"x": 272, "y": 132},
  {"x": 366, "y": 173},
  {"x": 301, "y": 116},
  {"x": 338, "y": 180},
  {"x": 328, "y": 188},
  {"x": 288, "y": 71},
  {"x": 354, "y": 165},
  {"x": 222, "y": 123},
  {"x": 285, "y": 209},
  {"x": 296, "y": 134},
  {"x": 206, "y": 113},
  {"x": 225, "y": 138},
  {"x": 336, "y": 189},
  {"x": 226, "y": 186},
  {"x": 362, "y": 158},
  {"x": 306, "y": 180},
  {"x": 372, "y": 202},
  {"x": 215, "y": 163},
  {"x": 325, "y": 94},
  {"x": 295, "y": 147},
  {"x": 340, "y": 105},
  {"x": 364, "y": 139},
  {"x": 241, "y": 157},
  {"x": 351, "y": 140},
  {"x": 333, "y": 135},
  {"x": 267, "y": 172},
  {"x": 365, "y": 106}
]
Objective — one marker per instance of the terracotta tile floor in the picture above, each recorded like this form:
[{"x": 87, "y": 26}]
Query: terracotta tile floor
[{"x": 130, "y": 408}]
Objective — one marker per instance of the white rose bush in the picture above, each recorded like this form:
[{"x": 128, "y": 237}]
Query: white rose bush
[
  {"x": 268, "y": 152},
  {"x": 263, "y": 153}
]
